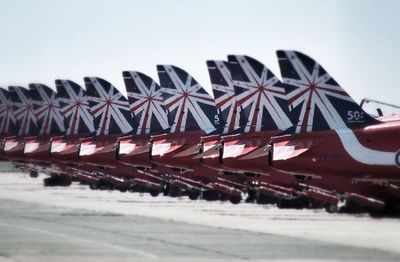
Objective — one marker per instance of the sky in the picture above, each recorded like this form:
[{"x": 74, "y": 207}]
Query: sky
[{"x": 357, "y": 42}]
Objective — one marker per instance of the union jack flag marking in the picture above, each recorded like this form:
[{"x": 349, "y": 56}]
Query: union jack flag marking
[
  {"x": 74, "y": 107},
  {"x": 146, "y": 103},
  {"x": 190, "y": 107},
  {"x": 224, "y": 93},
  {"x": 311, "y": 86},
  {"x": 23, "y": 110},
  {"x": 7, "y": 119},
  {"x": 260, "y": 94},
  {"x": 109, "y": 107},
  {"x": 47, "y": 110}
]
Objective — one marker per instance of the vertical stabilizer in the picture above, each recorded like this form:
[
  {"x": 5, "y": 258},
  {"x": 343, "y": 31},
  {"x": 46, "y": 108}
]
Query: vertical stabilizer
[
  {"x": 189, "y": 106},
  {"x": 224, "y": 94},
  {"x": 146, "y": 103},
  {"x": 109, "y": 108},
  {"x": 47, "y": 110},
  {"x": 23, "y": 111},
  {"x": 260, "y": 93},
  {"x": 7, "y": 120},
  {"x": 74, "y": 107},
  {"x": 316, "y": 100}
]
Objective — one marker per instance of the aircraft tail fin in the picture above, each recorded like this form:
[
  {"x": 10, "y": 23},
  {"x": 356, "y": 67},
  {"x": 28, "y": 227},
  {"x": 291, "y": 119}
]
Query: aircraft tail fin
[
  {"x": 260, "y": 95},
  {"x": 224, "y": 94},
  {"x": 109, "y": 108},
  {"x": 23, "y": 111},
  {"x": 316, "y": 100},
  {"x": 146, "y": 103},
  {"x": 75, "y": 108},
  {"x": 7, "y": 119},
  {"x": 47, "y": 110},
  {"x": 188, "y": 104}
]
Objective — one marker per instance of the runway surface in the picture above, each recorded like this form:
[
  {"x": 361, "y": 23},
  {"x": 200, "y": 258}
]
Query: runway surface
[{"x": 78, "y": 224}]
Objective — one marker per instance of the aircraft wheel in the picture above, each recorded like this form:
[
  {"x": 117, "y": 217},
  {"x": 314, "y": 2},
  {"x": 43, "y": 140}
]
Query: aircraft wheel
[
  {"x": 94, "y": 186},
  {"x": 122, "y": 189},
  {"x": 265, "y": 200},
  {"x": 295, "y": 203},
  {"x": 331, "y": 208},
  {"x": 194, "y": 194},
  {"x": 235, "y": 199},
  {"x": 210, "y": 195},
  {"x": 174, "y": 191},
  {"x": 224, "y": 197},
  {"x": 132, "y": 188},
  {"x": 65, "y": 181},
  {"x": 392, "y": 209},
  {"x": 351, "y": 207},
  {"x": 48, "y": 181},
  {"x": 33, "y": 174},
  {"x": 153, "y": 192}
]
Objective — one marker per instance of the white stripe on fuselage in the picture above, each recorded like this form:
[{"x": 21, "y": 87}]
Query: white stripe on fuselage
[{"x": 363, "y": 154}]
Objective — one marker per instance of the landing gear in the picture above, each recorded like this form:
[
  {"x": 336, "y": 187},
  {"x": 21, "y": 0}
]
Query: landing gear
[
  {"x": 33, "y": 174},
  {"x": 194, "y": 194},
  {"x": 174, "y": 191},
  {"x": 154, "y": 192},
  {"x": 122, "y": 189},
  {"x": 331, "y": 208},
  {"x": 351, "y": 207},
  {"x": 224, "y": 197},
  {"x": 251, "y": 196},
  {"x": 235, "y": 199},
  {"x": 296, "y": 202},
  {"x": 263, "y": 199},
  {"x": 210, "y": 195},
  {"x": 57, "y": 180},
  {"x": 102, "y": 185},
  {"x": 392, "y": 209},
  {"x": 165, "y": 189}
]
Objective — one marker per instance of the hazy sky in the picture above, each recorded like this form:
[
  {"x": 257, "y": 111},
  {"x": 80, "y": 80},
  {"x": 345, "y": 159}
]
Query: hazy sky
[{"x": 356, "y": 41}]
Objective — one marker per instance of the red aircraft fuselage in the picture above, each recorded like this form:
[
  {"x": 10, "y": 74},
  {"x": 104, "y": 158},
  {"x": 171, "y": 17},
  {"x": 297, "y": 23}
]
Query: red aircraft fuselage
[{"x": 342, "y": 160}]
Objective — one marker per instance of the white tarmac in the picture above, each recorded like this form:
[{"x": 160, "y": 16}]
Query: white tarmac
[{"x": 78, "y": 224}]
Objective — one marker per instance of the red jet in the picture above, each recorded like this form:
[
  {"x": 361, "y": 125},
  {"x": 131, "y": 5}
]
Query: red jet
[{"x": 335, "y": 144}]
